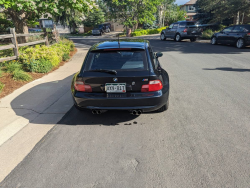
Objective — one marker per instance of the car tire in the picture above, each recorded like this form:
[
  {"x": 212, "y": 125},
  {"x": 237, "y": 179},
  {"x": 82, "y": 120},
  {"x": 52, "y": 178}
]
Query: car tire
[
  {"x": 164, "y": 107},
  {"x": 193, "y": 39},
  {"x": 178, "y": 38},
  {"x": 240, "y": 43},
  {"x": 162, "y": 36},
  {"x": 214, "y": 41}
]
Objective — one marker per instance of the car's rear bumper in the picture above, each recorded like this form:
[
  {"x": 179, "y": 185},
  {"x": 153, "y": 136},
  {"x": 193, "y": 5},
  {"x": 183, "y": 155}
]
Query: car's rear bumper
[
  {"x": 129, "y": 101},
  {"x": 190, "y": 36}
]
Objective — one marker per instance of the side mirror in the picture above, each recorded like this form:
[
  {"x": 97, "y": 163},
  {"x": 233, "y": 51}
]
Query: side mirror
[{"x": 158, "y": 54}]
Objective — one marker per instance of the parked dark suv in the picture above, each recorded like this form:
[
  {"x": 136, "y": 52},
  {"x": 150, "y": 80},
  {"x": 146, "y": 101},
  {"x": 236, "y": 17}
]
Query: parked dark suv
[
  {"x": 238, "y": 35},
  {"x": 182, "y": 30}
]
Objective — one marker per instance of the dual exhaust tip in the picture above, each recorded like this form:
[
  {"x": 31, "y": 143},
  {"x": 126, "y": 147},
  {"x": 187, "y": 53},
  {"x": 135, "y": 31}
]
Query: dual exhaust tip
[
  {"x": 136, "y": 112},
  {"x": 97, "y": 112},
  {"x": 133, "y": 112}
]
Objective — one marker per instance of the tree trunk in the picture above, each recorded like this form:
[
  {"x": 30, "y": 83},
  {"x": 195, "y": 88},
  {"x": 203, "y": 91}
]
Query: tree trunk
[
  {"x": 20, "y": 23},
  {"x": 243, "y": 15},
  {"x": 238, "y": 18}
]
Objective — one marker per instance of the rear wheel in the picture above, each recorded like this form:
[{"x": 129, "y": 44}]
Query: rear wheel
[
  {"x": 164, "y": 107},
  {"x": 240, "y": 43},
  {"x": 193, "y": 39},
  {"x": 214, "y": 41},
  {"x": 178, "y": 38},
  {"x": 163, "y": 36}
]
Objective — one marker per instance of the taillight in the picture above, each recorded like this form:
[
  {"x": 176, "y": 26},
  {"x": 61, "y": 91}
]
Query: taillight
[
  {"x": 248, "y": 34},
  {"x": 80, "y": 86},
  {"x": 185, "y": 30},
  {"x": 154, "y": 85}
]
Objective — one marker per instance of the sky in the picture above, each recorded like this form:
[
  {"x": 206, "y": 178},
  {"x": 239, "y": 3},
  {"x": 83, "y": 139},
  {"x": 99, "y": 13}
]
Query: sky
[{"x": 181, "y": 2}]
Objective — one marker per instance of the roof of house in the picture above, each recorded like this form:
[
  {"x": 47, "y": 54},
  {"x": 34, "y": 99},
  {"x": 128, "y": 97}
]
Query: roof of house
[{"x": 191, "y": 2}]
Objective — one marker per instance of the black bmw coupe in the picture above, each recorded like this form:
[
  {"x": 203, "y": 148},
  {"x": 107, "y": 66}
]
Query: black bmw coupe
[{"x": 121, "y": 75}]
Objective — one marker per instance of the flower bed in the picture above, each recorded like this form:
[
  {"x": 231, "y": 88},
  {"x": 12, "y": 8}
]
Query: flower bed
[{"x": 34, "y": 62}]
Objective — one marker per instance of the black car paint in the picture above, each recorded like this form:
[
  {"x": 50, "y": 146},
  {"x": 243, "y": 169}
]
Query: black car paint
[
  {"x": 193, "y": 31},
  {"x": 134, "y": 99},
  {"x": 231, "y": 37}
]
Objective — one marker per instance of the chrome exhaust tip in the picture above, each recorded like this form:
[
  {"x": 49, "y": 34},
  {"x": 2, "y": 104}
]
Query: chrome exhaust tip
[
  {"x": 134, "y": 112},
  {"x": 98, "y": 112},
  {"x": 94, "y": 112},
  {"x": 139, "y": 112}
]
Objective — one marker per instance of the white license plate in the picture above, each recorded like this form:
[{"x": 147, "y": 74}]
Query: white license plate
[{"x": 115, "y": 88}]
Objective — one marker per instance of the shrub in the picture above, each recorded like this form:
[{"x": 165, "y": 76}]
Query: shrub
[
  {"x": 53, "y": 53},
  {"x": 39, "y": 66},
  {"x": 1, "y": 72},
  {"x": 21, "y": 75},
  {"x": 1, "y": 86},
  {"x": 65, "y": 57},
  {"x": 207, "y": 34},
  {"x": 12, "y": 66},
  {"x": 139, "y": 32}
]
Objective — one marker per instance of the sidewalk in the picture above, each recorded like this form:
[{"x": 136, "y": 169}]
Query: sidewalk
[{"x": 31, "y": 111}]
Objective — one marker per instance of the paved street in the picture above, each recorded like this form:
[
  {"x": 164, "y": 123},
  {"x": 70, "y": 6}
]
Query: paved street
[{"x": 203, "y": 140}]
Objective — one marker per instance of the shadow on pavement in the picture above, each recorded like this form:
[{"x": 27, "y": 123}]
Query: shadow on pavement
[
  {"x": 109, "y": 118},
  {"x": 52, "y": 99},
  {"x": 229, "y": 69}
]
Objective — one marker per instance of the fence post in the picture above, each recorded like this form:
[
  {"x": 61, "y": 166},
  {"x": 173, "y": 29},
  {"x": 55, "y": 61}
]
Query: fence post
[
  {"x": 14, "y": 41},
  {"x": 46, "y": 37}
]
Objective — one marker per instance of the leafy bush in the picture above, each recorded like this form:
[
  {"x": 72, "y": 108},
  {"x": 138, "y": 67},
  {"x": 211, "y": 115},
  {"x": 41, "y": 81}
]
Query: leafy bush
[
  {"x": 1, "y": 72},
  {"x": 65, "y": 57},
  {"x": 12, "y": 66},
  {"x": 139, "y": 32},
  {"x": 1, "y": 87},
  {"x": 53, "y": 53},
  {"x": 39, "y": 66},
  {"x": 21, "y": 75},
  {"x": 207, "y": 34}
]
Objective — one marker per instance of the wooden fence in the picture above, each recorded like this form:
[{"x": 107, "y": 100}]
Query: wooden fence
[{"x": 13, "y": 35}]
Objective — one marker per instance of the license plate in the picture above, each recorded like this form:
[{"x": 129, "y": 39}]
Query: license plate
[
  {"x": 194, "y": 32},
  {"x": 115, "y": 88}
]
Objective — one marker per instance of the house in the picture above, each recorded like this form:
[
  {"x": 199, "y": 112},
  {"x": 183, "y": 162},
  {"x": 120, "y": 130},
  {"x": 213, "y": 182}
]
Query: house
[{"x": 190, "y": 8}]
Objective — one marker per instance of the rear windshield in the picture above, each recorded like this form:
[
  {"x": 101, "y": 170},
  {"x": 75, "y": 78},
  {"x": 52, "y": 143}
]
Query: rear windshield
[
  {"x": 190, "y": 23},
  {"x": 117, "y": 60}
]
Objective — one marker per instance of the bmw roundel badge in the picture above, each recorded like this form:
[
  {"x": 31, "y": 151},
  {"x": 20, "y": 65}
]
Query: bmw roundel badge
[{"x": 115, "y": 79}]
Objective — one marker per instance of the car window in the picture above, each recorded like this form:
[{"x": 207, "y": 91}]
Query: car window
[
  {"x": 238, "y": 29},
  {"x": 228, "y": 29},
  {"x": 182, "y": 24},
  {"x": 171, "y": 26},
  {"x": 117, "y": 60},
  {"x": 175, "y": 26},
  {"x": 190, "y": 23},
  {"x": 153, "y": 58}
]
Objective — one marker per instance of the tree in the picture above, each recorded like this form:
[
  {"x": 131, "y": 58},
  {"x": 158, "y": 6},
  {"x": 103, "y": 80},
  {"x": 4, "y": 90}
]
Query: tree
[
  {"x": 225, "y": 9},
  {"x": 174, "y": 14},
  {"x": 94, "y": 18},
  {"x": 72, "y": 18},
  {"x": 20, "y": 11},
  {"x": 132, "y": 12}
]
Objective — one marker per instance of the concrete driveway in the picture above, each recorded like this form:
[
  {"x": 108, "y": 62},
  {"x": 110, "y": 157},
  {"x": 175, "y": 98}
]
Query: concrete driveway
[{"x": 203, "y": 140}]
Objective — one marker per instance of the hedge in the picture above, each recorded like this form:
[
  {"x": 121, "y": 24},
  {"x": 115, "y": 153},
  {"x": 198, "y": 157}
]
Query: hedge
[{"x": 140, "y": 32}]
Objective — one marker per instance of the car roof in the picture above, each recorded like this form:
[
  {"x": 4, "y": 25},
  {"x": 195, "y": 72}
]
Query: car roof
[{"x": 123, "y": 43}]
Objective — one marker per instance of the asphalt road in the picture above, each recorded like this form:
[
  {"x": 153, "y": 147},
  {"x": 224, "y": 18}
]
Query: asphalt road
[{"x": 203, "y": 140}]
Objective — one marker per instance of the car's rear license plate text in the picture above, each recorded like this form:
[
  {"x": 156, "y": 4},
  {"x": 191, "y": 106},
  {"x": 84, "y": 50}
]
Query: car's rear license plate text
[{"x": 115, "y": 88}]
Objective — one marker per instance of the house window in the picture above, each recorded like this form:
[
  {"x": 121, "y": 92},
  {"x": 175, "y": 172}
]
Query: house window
[{"x": 191, "y": 7}]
